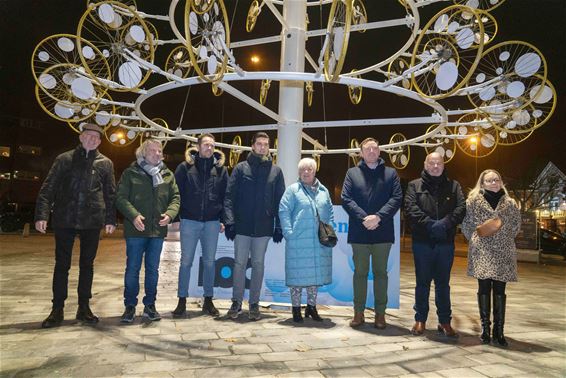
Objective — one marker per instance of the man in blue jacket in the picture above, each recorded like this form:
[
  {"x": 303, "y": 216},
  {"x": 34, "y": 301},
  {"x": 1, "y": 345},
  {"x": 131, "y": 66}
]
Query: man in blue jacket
[
  {"x": 371, "y": 196},
  {"x": 202, "y": 181},
  {"x": 251, "y": 213}
]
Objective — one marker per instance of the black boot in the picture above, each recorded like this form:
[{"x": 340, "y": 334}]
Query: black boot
[
  {"x": 297, "y": 316},
  {"x": 181, "y": 310},
  {"x": 208, "y": 307},
  {"x": 84, "y": 314},
  {"x": 54, "y": 319},
  {"x": 313, "y": 313},
  {"x": 499, "y": 319},
  {"x": 484, "y": 303}
]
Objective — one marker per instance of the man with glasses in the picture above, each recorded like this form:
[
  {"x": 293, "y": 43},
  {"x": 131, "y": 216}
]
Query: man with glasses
[{"x": 434, "y": 206}]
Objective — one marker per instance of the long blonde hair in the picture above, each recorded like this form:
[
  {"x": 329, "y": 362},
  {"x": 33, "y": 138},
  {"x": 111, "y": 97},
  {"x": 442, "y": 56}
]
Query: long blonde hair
[{"x": 478, "y": 189}]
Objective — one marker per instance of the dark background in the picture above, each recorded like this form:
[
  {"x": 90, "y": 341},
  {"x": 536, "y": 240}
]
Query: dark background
[{"x": 24, "y": 23}]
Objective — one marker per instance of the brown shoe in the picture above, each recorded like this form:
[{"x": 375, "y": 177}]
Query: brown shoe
[
  {"x": 418, "y": 329},
  {"x": 380, "y": 322},
  {"x": 447, "y": 330},
  {"x": 358, "y": 320}
]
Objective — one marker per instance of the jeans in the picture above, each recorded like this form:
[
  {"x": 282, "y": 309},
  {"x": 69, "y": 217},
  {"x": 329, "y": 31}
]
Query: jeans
[
  {"x": 433, "y": 262},
  {"x": 379, "y": 256},
  {"x": 135, "y": 250},
  {"x": 64, "y": 240},
  {"x": 244, "y": 248},
  {"x": 191, "y": 232}
]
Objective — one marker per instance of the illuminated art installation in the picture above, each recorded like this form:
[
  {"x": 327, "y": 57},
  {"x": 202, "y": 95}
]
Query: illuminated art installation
[{"x": 451, "y": 54}]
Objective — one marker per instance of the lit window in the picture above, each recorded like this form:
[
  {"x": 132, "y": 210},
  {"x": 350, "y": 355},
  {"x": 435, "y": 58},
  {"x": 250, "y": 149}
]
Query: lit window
[
  {"x": 4, "y": 151},
  {"x": 5, "y": 176},
  {"x": 26, "y": 175},
  {"x": 30, "y": 150}
]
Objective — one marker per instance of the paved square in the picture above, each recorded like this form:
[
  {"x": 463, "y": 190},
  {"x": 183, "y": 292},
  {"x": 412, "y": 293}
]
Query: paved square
[{"x": 203, "y": 346}]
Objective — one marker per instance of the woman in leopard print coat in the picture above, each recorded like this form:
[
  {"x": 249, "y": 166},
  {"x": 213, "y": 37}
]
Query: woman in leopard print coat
[{"x": 491, "y": 258}]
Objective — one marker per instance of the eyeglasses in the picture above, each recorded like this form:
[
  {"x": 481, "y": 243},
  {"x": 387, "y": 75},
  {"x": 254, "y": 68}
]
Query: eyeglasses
[{"x": 492, "y": 181}]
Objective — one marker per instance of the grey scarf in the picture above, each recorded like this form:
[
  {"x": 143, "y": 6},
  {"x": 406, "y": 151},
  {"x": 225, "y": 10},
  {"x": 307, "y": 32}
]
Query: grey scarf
[{"x": 153, "y": 170}]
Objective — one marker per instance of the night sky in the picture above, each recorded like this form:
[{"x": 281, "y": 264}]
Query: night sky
[{"x": 24, "y": 23}]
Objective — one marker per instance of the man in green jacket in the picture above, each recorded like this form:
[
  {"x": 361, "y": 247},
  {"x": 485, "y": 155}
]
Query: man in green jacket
[{"x": 148, "y": 198}]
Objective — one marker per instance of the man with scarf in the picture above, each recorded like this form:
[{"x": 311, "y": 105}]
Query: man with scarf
[
  {"x": 251, "y": 214},
  {"x": 80, "y": 190},
  {"x": 148, "y": 198},
  {"x": 371, "y": 196},
  {"x": 434, "y": 206}
]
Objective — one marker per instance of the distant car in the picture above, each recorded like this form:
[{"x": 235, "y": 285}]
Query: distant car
[{"x": 552, "y": 242}]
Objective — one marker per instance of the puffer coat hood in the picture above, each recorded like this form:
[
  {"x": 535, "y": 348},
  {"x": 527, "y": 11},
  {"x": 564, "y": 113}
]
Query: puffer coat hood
[{"x": 202, "y": 185}]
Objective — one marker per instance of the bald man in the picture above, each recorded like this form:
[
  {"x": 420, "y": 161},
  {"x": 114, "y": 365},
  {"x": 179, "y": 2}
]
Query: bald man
[{"x": 434, "y": 206}]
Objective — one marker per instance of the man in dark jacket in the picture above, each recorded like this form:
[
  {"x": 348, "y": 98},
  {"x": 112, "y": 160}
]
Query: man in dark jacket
[
  {"x": 434, "y": 206},
  {"x": 371, "y": 196},
  {"x": 80, "y": 190},
  {"x": 202, "y": 181},
  {"x": 252, "y": 217}
]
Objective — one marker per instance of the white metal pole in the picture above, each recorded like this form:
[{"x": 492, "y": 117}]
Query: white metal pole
[{"x": 291, "y": 92}]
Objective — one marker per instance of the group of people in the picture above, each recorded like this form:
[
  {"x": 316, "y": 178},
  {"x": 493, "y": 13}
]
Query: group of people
[{"x": 252, "y": 206}]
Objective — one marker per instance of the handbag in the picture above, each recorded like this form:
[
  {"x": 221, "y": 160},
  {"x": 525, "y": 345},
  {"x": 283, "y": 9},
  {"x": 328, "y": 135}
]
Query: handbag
[
  {"x": 489, "y": 227},
  {"x": 326, "y": 234}
]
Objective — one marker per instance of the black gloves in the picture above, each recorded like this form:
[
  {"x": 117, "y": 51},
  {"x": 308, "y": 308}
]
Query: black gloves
[
  {"x": 439, "y": 229},
  {"x": 277, "y": 235},
  {"x": 230, "y": 231}
]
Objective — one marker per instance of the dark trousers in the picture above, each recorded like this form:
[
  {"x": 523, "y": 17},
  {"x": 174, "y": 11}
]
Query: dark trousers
[
  {"x": 485, "y": 287},
  {"x": 433, "y": 262},
  {"x": 64, "y": 240}
]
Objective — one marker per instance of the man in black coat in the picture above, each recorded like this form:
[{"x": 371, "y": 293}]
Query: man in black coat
[
  {"x": 434, "y": 206},
  {"x": 251, "y": 213},
  {"x": 371, "y": 196},
  {"x": 80, "y": 191},
  {"x": 202, "y": 180}
]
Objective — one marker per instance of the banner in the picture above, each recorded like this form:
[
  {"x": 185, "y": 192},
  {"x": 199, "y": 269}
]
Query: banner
[{"x": 339, "y": 292}]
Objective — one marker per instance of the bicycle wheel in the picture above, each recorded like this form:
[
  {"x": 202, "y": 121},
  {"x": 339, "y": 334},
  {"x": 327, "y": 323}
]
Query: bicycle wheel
[
  {"x": 400, "y": 158},
  {"x": 115, "y": 29},
  {"x": 446, "y": 146},
  {"x": 57, "y": 69},
  {"x": 450, "y": 50},
  {"x": 338, "y": 33},
  {"x": 486, "y": 5},
  {"x": 251, "y": 18},
  {"x": 208, "y": 39},
  {"x": 483, "y": 135},
  {"x": 509, "y": 76}
]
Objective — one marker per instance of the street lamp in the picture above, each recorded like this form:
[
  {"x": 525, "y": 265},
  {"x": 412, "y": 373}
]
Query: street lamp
[{"x": 474, "y": 146}]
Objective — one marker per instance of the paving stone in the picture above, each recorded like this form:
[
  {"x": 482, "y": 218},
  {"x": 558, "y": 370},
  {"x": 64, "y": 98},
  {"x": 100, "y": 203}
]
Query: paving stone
[
  {"x": 242, "y": 359},
  {"x": 307, "y": 365},
  {"x": 497, "y": 370},
  {"x": 250, "y": 348},
  {"x": 345, "y": 372},
  {"x": 305, "y": 374},
  {"x": 281, "y": 356},
  {"x": 489, "y": 358},
  {"x": 385, "y": 370},
  {"x": 460, "y": 372}
]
